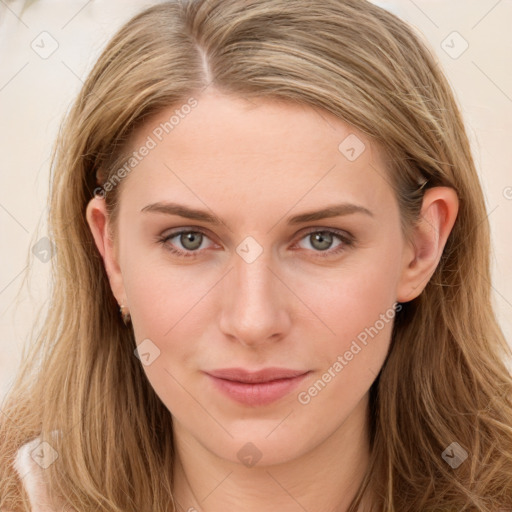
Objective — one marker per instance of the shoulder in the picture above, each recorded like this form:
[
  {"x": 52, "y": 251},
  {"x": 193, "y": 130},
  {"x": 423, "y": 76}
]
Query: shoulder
[{"x": 31, "y": 461}]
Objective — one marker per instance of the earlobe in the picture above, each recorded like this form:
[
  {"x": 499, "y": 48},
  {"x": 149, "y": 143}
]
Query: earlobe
[
  {"x": 97, "y": 219},
  {"x": 421, "y": 256}
]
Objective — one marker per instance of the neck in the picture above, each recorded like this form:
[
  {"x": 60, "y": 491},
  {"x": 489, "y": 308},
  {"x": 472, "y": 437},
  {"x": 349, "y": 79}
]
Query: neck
[{"x": 325, "y": 478}]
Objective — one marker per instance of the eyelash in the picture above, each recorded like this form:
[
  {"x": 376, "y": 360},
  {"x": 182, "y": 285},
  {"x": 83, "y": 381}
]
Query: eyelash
[{"x": 346, "y": 239}]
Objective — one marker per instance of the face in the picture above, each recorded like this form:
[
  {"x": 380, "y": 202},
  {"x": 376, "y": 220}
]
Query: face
[{"x": 254, "y": 236}]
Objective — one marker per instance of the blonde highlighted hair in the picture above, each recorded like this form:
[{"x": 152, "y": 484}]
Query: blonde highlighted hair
[{"x": 444, "y": 378}]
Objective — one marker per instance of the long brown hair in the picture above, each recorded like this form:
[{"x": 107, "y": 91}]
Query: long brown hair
[{"x": 444, "y": 379}]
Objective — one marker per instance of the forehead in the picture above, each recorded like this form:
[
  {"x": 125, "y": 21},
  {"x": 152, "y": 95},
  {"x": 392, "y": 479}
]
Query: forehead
[{"x": 225, "y": 148}]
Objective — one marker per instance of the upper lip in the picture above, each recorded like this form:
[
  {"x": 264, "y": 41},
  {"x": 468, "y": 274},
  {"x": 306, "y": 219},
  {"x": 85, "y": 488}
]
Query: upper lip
[{"x": 264, "y": 375}]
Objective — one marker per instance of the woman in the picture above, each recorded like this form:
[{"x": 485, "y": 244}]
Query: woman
[{"x": 272, "y": 286}]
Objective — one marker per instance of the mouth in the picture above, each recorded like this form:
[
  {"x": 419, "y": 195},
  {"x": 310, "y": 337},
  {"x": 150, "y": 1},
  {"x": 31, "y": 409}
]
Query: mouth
[{"x": 257, "y": 388}]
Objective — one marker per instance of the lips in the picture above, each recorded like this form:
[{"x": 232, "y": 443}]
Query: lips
[
  {"x": 264, "y": 375},
  {"x": 256, "y": 388}
]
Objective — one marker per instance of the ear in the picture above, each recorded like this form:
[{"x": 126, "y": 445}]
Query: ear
[
  {"x": 421, "y": 255},
  {"x": 98, "y": 220}
]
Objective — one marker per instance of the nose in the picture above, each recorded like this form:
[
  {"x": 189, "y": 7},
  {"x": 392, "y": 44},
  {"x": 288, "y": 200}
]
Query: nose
[{"x": 255, "y": 303}]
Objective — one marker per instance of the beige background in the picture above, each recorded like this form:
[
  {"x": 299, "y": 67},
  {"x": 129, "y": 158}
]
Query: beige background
[{"x": 36, "y": 89}]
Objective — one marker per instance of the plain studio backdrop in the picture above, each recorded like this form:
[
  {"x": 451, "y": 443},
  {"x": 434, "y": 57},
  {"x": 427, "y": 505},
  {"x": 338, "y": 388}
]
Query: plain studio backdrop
[{"x": 47, "y": 48}]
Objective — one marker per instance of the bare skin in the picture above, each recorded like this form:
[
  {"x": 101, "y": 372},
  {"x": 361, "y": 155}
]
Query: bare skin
[{"x": 254, "y": 165}]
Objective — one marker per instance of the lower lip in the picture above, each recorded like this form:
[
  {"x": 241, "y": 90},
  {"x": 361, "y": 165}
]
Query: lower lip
[{"x": 261, "y": 393}]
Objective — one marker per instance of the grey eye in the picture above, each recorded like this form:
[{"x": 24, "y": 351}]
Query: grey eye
[
  {"x": 321, "y": 240},
  {"x": 191, "y": 240}
]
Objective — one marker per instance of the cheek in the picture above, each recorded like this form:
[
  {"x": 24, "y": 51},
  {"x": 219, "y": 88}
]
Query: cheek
[
  {"x": 164, "y": 301},
  {"x": 352, "y": 298},
  {"x": 165, "y": 304},
  {"x": 160, "y": 292},
  {"x": 171, "y": 306},
  {"x": 367, "y": 295},
  {"x": 361, "y": 315},
  {"x": 357, "y": 309}
]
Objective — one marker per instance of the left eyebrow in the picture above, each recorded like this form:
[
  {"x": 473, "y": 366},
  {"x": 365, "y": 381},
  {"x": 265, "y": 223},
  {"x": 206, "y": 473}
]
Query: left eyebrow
[
  {"x": 331, "y": 211},
  {"x": 202, "y": 215}
]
